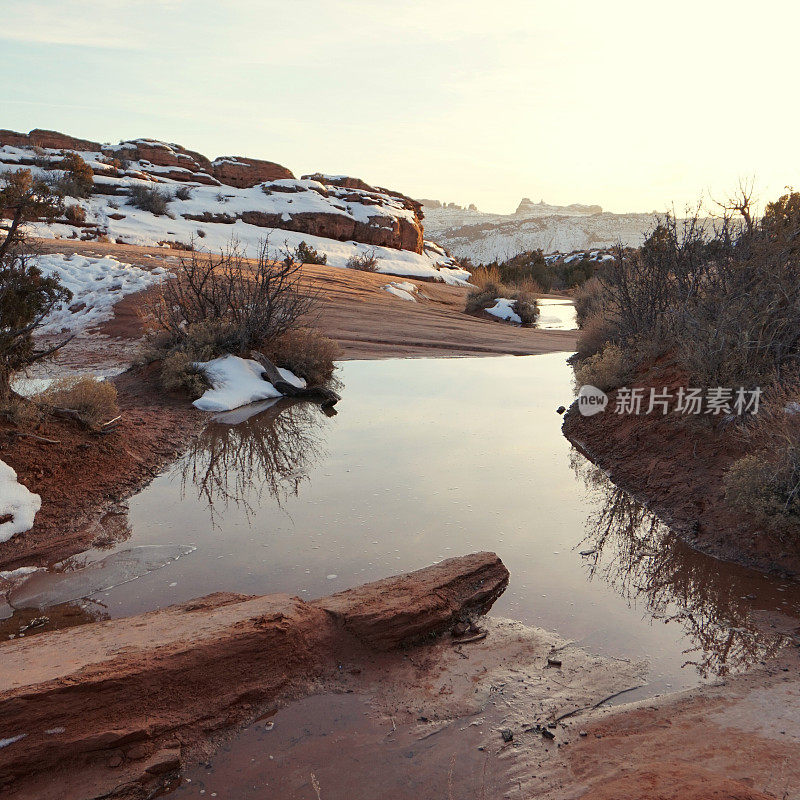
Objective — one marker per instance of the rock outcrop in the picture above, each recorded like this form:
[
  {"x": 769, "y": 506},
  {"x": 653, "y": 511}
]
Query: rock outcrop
[
  {"x": 245, "y": 172},
  {"x": 107, "y": 709}
]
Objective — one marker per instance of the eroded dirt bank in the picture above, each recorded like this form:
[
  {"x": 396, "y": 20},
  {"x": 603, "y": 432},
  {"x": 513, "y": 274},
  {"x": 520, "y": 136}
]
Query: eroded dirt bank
[
  {"x": 107, "y": 709},
  {"x": 675, "y": 465},
  {"x": 81, "y": 476}
]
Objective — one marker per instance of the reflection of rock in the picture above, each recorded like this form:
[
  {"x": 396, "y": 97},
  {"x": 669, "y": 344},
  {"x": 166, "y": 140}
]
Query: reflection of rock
[
  {"x": 714, "y": 602},
  {"x": 127, "y": 690}
]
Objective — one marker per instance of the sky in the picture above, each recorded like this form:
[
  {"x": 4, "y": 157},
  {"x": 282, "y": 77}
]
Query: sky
[{"x": 634, "y": 106}]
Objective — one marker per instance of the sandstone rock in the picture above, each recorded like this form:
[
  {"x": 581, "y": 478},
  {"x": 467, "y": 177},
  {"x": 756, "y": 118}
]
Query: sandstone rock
[{"x": 245, "y": 172}]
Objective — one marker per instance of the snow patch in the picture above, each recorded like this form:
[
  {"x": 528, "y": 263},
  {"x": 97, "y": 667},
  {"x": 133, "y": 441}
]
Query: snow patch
[
  {"x": 16, "y": 501},
  {"x": 502, "y": 309},
  {"x": 402, "y": 289},
  {"x": 97, "y": 285},
  {"x": 11, "y": 740},
  {"x": 237, "y": 382}
]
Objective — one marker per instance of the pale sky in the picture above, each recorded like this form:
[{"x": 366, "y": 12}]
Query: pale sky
[{"x": 632, "y": 105}]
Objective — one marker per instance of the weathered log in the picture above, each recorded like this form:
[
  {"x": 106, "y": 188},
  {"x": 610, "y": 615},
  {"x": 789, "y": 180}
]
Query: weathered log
[{"x": 318, "y": 394}]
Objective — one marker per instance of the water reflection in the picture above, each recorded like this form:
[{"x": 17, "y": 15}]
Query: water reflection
[
  {"x": 716, "y": 604},
  {"x": 240, "y": 456}
]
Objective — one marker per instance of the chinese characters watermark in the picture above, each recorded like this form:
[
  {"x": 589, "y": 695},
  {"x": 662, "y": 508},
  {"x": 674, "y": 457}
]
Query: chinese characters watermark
[{"x": 717, "y": 401}]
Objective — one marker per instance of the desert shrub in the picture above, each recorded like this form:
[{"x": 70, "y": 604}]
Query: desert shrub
[
  {"x": 183, "y": 193},
  {"x": 75, "y": 214},
  {"x": 608, "y": 369},
  {"x": 766, "y": 481},
  {"x": 306, "y": 254},
  {"x": 588, "y": 300},
  {"x": 179, "y": 374},
  {"x": 21, "y": 412},
  {"x": 93, "y": 400},
  {"x": 150, "y": 199},
  {"x": 479, "y": 299},
  {"x": 201, "y": 233},
  {"x": 76, "y": 178},
  {"x": 223, "y": 304},
  {"x": 26, "y": 295},
  {"x": 526, "y": 308},
  {"x": 597, "y": 331},
  {"x": 307, "y": 353},
  {"x": 367, "y": 262}
]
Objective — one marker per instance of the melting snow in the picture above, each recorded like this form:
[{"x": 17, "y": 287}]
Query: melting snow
[
  {"x": 556, "y": 315},
  {"x": 502, "y": 309},
  {"x": 97, "y": 284},
  {"x": 237, "y": 382},
  {"x": 11, "y": 740},
  {"x": 402, "y": 289},
  {"x": 18, "y": 502}
]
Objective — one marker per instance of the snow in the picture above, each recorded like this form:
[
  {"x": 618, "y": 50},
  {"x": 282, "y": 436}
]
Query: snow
[
  {"x": 18, "y": 502},
  {"x": 282, "y": 198},
  {"x": 236, "y": 382},
  {"x": 402, "y": 289},
  {"x": 502, "y": 309},
  {"x": 97, "y": 284},
  {"x": 20, "y": 572},
  {"x": 556, "y": 315}
]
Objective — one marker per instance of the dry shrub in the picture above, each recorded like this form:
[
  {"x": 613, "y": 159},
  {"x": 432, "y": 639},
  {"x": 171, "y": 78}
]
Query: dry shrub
[
  {"x": 22, "y": 413},
  {"x": 609, "y": 369},
  {"x": 596, "y": 332},
  {"x": 526, "y": 308},
  {"x": 307, "y": 353},
  {"x": 766, "y": 482},
  {"x": 150, "y": 199},
  {"x": 75, "y": 214},
  {"x": 94, "y": 400},
  {"x": 486, "y": 277},
  {"x": 366, "y": 262},
  {"x": 588, "y": 300},
  {"x": 179, "y": 374}
]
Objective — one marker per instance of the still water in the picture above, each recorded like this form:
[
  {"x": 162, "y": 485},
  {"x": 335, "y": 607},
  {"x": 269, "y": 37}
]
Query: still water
[{"x": 426, "y": 459}]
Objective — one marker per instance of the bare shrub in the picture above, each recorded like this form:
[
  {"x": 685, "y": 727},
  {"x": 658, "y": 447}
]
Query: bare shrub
[
  {"x": 307, "y": 353},
  {"x": 179, "y": 374},
  {"x": 75, "y": 214},
  {"x": 183, "y": 193},
  {"x": 93, "y": 400},
  {"x": 150, "y": 199},
  {"x": 486, "y": 277},
  {"x": 367, "y": 261},
  {"x": 223, "y": 304},
  {"x": 608, "y": 369}
]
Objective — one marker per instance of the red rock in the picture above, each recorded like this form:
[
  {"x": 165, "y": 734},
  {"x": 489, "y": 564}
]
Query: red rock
[{"x": 245, "y": 172}]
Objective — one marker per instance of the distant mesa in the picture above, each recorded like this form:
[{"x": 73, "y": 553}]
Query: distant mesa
[{"x": 528, "y": 207}]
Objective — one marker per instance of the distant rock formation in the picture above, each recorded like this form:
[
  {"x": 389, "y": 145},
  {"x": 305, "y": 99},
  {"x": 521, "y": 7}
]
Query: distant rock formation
[
  {"x": 336, "y": 207},
  {"x": 527, "y": 207}
]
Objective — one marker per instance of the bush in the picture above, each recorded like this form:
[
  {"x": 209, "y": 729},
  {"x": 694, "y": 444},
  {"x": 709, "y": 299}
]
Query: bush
[
  {"x": 307, "y": 353},
  {"x": 766, "y": 482},
  {"x": 306, "y": 254},
  {"x": 179, "y": 374},
  {"x": 222, "y": 304},
  {"x": 26, "y": 294},
  {"x": 75, "y": 214},
  {"x": 183, "y": 193},
  {"x": 608, "y": 369},
  {"x": 77, "y": 178},
  {"x": 150, "y": 199},
  {"x": 596, "y": 332},
  {"x": 94, "y": 400},
  {"x": 367, "y": 262},
  {"x": 526, "y": 308},
  {"x": 588, "y": 300}
]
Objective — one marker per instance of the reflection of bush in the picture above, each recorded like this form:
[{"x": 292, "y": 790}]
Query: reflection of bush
[
  {"x": 639, "y": 557},
  {"x": 270, "y": 451}
]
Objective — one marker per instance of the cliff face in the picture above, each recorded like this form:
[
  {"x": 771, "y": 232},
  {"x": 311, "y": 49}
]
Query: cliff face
[{"x": 254, "y": 191}]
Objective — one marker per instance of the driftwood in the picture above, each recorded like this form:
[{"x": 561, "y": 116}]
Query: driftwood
[{"x": 319, "y": 394}]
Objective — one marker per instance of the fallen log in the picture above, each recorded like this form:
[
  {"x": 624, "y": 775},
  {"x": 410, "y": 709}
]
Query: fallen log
[
  {"x": 110, "y": 709},
  {"x": 319, "y": 394}
]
